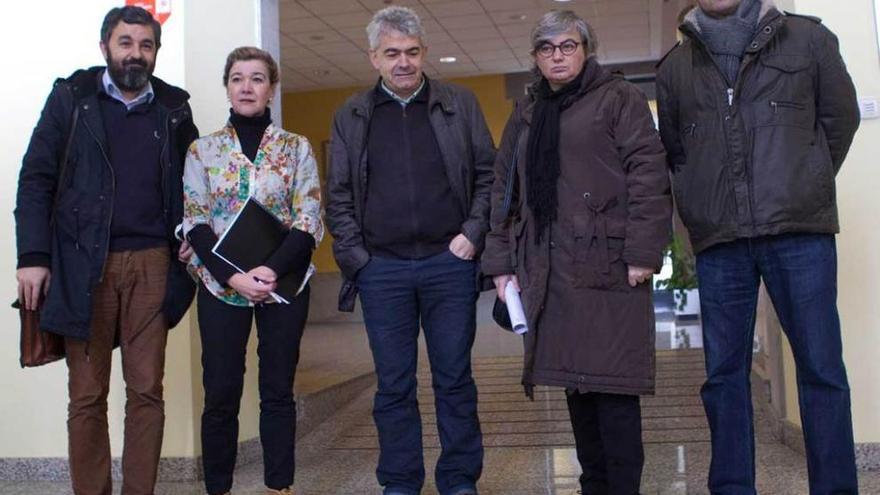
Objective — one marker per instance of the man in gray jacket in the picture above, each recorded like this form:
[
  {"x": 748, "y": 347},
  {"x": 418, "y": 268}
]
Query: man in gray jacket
[
  {"x": 408, "y": 206},
  {"x": 757, "y": 113}
]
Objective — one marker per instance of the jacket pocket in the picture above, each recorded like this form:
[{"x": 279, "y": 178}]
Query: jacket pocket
[
  {"x": 598, "y": 242},
  {"x": 791, "y": 175},
  {"x": 701, "y": 188},
  {"x": 789, "y": 64},
  {"x": 71, "y": 217}
]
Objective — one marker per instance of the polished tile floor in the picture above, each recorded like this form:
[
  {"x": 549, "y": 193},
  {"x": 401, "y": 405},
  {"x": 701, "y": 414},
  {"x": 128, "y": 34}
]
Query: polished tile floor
[{"x": 529, "y": 446}]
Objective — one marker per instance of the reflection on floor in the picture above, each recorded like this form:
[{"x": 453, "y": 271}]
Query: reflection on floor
[{"x": 529, "y": 445}]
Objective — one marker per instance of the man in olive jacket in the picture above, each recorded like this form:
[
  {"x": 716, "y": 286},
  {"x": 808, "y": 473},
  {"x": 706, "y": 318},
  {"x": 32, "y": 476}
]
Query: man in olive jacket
[
  {"x": 757, "y": 113},
  {"x": 408, "y": 207},
  {"x": 99, "y": 196}
]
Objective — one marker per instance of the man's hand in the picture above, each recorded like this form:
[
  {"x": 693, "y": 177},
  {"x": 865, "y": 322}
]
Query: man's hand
[
  {"x": 462, "y": 248},
  {"x": 638, "y": 274},
  {"x": 501, "y": 283},
  {"x": 32, "y": 281},
  {"x": 185, "y": 252}
]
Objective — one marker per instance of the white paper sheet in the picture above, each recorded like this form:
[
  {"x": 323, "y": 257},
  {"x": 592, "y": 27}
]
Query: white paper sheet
[{"x": 515, "y": 310}]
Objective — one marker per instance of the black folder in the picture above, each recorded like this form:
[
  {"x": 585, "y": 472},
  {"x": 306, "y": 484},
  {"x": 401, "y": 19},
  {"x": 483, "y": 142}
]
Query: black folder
[{"x": 254, "y": 234}]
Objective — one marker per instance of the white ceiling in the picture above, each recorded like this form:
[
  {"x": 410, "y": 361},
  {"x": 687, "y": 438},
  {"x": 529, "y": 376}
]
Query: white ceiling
[{"x": 324, "y": 42}]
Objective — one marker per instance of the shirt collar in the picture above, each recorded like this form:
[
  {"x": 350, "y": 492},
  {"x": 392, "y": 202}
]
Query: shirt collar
[
  {"x": 146, "y": 95},
  {"x": 403, "y": 101}
]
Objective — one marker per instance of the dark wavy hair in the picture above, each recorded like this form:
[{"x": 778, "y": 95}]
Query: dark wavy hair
[{"x": 130, "y": 15}]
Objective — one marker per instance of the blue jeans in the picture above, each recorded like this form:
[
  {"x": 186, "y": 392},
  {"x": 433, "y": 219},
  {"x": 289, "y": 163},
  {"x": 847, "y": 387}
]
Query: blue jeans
[
  {"x": 800, "y": 272},
  {"x": 440, "y": 293}
]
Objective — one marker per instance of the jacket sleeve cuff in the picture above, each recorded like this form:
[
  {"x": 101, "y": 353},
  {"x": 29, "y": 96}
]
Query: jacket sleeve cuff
[
  {"x": 643, "y": 258},
  {"x": 492, "y": 265},
  {"x": 475, "y": 234},
  {"x": 352, "y": 261},
  {"x": 28, "y": 260}
]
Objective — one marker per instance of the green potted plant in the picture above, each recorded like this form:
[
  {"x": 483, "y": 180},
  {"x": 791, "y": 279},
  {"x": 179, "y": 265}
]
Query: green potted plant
[{"x": 683, "y": 279}]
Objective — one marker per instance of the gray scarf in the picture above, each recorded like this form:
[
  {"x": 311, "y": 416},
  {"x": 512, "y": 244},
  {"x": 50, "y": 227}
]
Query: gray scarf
[{"x": 728, "y": 37}]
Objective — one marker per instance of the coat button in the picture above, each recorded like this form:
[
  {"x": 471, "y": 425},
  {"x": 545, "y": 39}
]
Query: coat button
[
  {"x": 768, "y": 29},
  {"x": 174, "y": 120},
  {"x": 552, "y": 244},
  {"x": 754, "y": 45},
  {"x": 86, "y": 106},
  {"x": 587, "y": 195},
  {"x": 581, "y": 379},
  {"x": 101, "y": 197}
]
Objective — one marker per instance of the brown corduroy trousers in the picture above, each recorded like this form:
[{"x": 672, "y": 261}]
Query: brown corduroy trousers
[{"x": 126, "y": 310}]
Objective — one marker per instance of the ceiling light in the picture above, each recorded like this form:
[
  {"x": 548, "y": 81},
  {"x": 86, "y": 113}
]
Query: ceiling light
[
  {"x": 448, "y": 60},
  {"x": 518, "y": 17},
  {"x": 321, "y": 72}
]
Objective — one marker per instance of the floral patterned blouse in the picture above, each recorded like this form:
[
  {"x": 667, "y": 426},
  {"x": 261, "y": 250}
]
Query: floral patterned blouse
[{"x": 218, "y": 178}]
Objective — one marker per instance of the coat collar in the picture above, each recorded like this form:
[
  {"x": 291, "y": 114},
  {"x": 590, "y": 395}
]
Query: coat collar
[
  {"x": 594, "y": 76},
  {"x": 440, "y": 94},
  {"x": 86, "y": 82},
  {"x": 769, "y": 23}
]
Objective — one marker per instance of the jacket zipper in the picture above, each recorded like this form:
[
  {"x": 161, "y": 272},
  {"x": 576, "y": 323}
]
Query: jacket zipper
[
  {"x": 111, "y": 199},
  {"x": 730, "y": 93},
  {"x": 165, "y": 165}
]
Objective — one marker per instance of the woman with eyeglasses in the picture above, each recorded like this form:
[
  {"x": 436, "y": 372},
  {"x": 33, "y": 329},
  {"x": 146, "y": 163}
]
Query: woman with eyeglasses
[
  {"x": 250, "y": 157},
  {"x": 584, "y": 174}
]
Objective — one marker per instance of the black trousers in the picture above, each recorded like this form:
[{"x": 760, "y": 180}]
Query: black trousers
[
  {"x": 224, "y": 330},
  {"x": 608, "y": 435}
]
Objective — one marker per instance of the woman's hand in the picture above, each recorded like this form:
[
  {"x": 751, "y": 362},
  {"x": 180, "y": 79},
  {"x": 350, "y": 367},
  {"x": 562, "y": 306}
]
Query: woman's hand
[
  {"x": 501, "y": 283},
  {"x": 264, "y": 274},
  {"x": 248, "y": 286},
  {"x": 638, "y": 275}
]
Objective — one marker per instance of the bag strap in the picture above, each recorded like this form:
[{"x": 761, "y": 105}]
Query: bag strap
[
  {"x": 510, "y": 188},
  {"x": 62, "y": 167}
]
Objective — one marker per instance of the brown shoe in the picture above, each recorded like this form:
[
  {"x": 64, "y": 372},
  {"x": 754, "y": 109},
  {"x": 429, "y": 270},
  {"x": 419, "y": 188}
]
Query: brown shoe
[{"x": 283, "y": 491}]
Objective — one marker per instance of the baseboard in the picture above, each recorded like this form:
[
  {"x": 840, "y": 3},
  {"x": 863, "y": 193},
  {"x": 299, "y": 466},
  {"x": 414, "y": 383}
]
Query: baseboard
[
  {"x": 312, "y": 410},
  {"x": 791, "y": 435}
]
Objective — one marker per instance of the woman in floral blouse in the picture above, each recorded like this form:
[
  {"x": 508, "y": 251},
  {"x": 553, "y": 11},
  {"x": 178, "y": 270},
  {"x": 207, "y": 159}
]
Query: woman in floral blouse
[{"x": 250, "y": 157}]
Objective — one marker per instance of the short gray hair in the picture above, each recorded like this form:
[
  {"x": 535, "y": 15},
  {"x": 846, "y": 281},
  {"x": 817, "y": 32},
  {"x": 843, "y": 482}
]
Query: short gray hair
[
  {"x": 404, "y": 20},
  {"x": 556, "y": 22}
]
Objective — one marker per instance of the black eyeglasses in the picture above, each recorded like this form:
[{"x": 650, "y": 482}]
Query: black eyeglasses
[{"x": 547, "y": 49}]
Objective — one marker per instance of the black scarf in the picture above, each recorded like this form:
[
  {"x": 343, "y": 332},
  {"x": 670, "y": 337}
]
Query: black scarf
[{"x": 542, "y": 151}]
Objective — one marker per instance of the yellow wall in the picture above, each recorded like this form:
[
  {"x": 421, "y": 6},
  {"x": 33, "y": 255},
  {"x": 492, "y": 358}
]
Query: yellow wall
[
  {"x": 859, "y": 263},
  {"x": 311, "y": 114}
]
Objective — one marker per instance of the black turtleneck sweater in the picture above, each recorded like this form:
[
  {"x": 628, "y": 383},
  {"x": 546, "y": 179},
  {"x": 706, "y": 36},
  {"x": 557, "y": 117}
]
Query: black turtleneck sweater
[{"x": 293, "y": 255}]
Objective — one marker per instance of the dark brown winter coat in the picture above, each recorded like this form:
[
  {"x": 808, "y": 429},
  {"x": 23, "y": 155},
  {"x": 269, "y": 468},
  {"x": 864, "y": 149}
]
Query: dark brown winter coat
[{"x": 589, "y": 330}]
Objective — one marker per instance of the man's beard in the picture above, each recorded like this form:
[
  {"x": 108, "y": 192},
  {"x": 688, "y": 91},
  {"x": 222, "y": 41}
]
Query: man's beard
[{"x": 129, "y": 75}]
